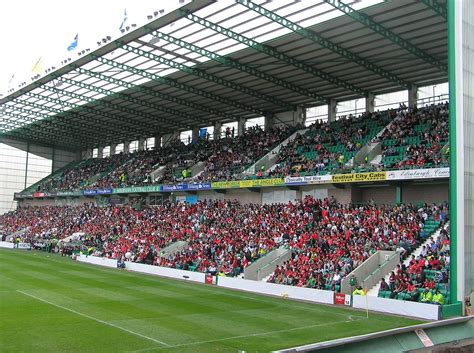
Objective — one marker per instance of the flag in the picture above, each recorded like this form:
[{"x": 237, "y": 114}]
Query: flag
[
  {"x": 73, "y": 45},
  {"x": 125, "y": 18},
  {"x": 38, "y": 68},
  {"x": 10, "y": 82}
]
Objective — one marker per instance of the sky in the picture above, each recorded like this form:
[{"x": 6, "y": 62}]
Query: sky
[{"x": 33, "y": 29}]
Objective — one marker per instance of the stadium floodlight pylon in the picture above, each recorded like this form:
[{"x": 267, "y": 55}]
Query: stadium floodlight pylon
[
  {"x": 209, "y": 77},
  {"x": 154, "y": 93},
  {"x": 268, "y": 50},
  {"x": 179, "y": 85},
  {"x": 438, "y": 8},
  {"x": 239, "y": 66},
  {"x": 325, "y": 43},
  {"x": 367, "y": 21}
]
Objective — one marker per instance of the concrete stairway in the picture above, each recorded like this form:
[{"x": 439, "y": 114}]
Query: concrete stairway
[
  {"x": 374, "y": 291},
  {"x": 271, "y": 157}
]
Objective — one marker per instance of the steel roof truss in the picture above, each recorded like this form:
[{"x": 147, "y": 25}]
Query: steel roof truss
[
  {"x": 154, "y": 94},
  {"x": 114, "y": 118},
  {"x": 176, "y": 84},
  {"x": 105, "y": 103},
  {"x": 207, "y": 76},
  {"x": 268, "y": 50},
  {"x": 325, "y": 43},
  {"x": 387, "y": 33},
  {"x": 239, "y": 66},
  {"x": 440, "y": 9}
]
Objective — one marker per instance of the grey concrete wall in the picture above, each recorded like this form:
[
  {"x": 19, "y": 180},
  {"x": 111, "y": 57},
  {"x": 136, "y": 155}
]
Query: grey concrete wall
[
  {"x": 341, "y": 195},
  {"x": 173, "y": 248},
  {"x": 425, "y": 192},
  {"x": 379, "y": 195},
  {"x": 371, "y": 270},
  {"x": 267, "y": 264}
]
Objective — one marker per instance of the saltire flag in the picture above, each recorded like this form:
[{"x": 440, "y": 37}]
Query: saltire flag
[
  {"x": 38, "y": 68},
  {"x": 73, "y": 45},
  {"x": 125, "y": 18}
]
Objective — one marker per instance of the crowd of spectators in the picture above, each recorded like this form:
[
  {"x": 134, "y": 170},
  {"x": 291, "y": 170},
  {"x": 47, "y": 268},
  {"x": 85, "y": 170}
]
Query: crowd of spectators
[
  {"x": 229, "y": 156},
  {"x": 426, "y": 277},
  {"x": 224, "y": 158},
  {"x": 416, "y": 138},
  {"x": 327, "y": 146},
  {"x": 344, "y": 236},
  {"x": 327, "y": 239}
]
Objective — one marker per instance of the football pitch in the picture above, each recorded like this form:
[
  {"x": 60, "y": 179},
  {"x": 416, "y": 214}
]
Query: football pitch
[{"x": 52, "y": 304}]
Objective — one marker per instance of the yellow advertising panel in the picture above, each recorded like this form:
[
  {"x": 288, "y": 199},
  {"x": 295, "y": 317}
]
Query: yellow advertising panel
[
  {"x": 247, "y": 183},
  {"x": 359, "y": 177}
]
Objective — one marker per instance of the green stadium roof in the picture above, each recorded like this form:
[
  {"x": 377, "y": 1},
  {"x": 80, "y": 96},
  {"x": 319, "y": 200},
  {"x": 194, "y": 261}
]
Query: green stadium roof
[{"x": 220, "y": 61}]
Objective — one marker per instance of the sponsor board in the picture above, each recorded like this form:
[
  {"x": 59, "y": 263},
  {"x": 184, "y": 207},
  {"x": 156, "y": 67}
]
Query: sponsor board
[
  {"x": 303, "y": 180},
  {"x": 248, "y": 183},
  {"x": 68, "y": 193},
  {"x": 184, "y": 187},
  {"x": 358, "y": 177},
  {"x": 26, "y": 246},
  {"x": 137, "y": 189},
  {"x": 210, "y": 279},
  {"x": 97, "y": 192},
  {"x": 225, "y": 184},
  {"x": 410, "y": 174},
  {"x": 342, "y": 299}
]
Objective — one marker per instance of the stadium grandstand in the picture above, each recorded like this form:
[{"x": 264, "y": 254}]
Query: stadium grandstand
[{"x": 288, "y": 176}]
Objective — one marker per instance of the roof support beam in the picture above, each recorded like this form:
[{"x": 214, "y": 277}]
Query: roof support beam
[
  {"x": 48, "y": 130},
  {"x": 440, "y": 9},
  {"x": 239, "y": 66},
  {"x": 129, "y": 126},
  {"x": 47, "y": 122},
  {"x": 213, "y": 78},
  {"x": 325, "y": 43},
  {"x": 47, "y": 119},
  {"x": 268, "y": 50},
  {"x": 50, "y": 134},
  {"x": 40, "y": 139},
  {"x": 179, "y": 85},
  {"x": 116, "y": 106},
  {"x": 156, "y": 94},
  {"x": 387, "y": 33}
]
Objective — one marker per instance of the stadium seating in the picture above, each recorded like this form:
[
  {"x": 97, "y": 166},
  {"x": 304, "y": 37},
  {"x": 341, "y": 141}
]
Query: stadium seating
[
  {"x": 410, "y": 139},
  {"x": 224, "y": 159},
  {"x": 328, "y": 240},
  {"x": 416, "y": 138},
  {"x": 429, "y": 271},
  {"x": 326, "y": 147}
]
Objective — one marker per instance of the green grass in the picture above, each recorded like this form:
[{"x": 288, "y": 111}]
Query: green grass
[{"x": 52, "y": 304}]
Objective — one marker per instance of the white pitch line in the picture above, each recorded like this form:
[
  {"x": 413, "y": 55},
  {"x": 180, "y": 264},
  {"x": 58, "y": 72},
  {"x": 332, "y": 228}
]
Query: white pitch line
[
  {"x": 95, "y": 319},
  {"x": 246, "y": 336}
]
